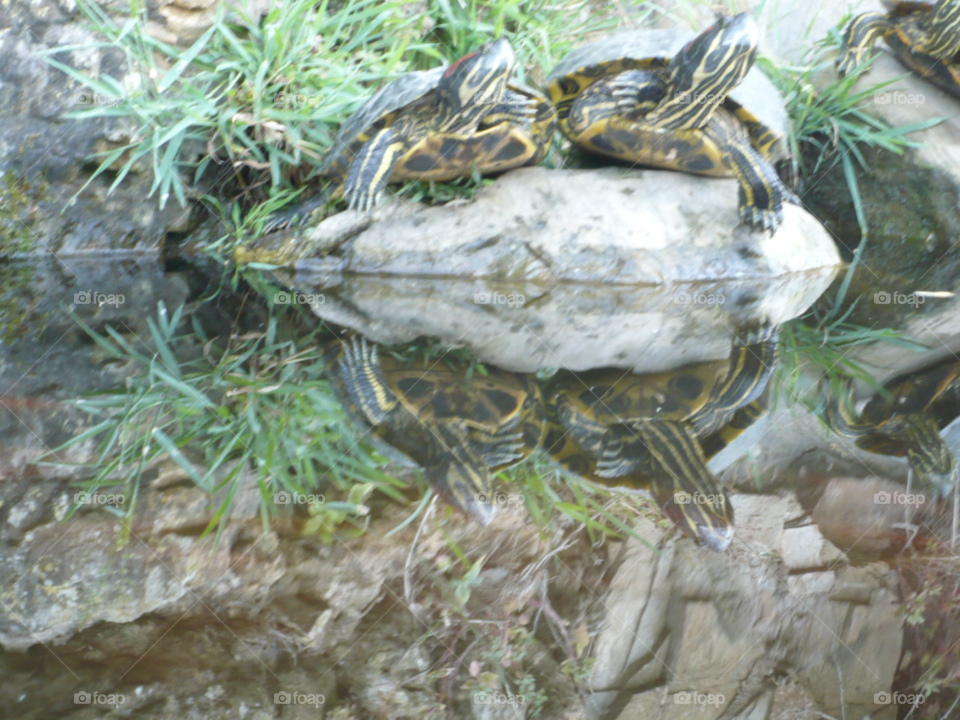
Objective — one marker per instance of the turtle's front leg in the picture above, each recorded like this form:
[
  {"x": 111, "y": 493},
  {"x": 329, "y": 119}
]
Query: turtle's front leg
[
  {"x": 860, "y": 35},
  {"x": 513, "y": 108},
  {"x": 629, "y": 95},
  {"x": 371, "y": 169}
]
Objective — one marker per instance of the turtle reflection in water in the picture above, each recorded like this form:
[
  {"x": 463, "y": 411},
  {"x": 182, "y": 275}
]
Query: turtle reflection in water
[
  {"x": 907, "y": 424},
  {"x": 458, "y": 430},
  {"x": 656, "y": 431}
]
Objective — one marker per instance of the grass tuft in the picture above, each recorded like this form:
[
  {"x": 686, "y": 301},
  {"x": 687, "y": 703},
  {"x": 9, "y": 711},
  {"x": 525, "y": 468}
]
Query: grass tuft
[
  {"x": 247, "y": 112},
  {"x": 257, "y": 401}
]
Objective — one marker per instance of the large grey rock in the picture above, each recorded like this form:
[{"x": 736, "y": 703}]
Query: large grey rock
[
  {"x": 640, "y": 594},
  {"x": 612, "y": 225},
  {"x": 791, "y": 447},
  {"x": 661, "y": 273},
  {"x": 870, "y": 515}
]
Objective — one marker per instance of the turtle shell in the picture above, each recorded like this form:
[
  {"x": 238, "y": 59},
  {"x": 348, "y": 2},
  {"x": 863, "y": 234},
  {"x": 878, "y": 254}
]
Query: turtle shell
[
  {"x": 589, "y": 409},
  {"x": 743, "y": 419},
  {"x": 499, "y": 409},
  {"x": 911, "y": 393},
  {"x": 608, "y": 397},
  {"x": 392, "y": 97},
  {"x": 899, "y": 7},
  {"x": 755, "y": 101},
  {"x": 441, "y": 157},
  {"x": 438, "y": 394}
]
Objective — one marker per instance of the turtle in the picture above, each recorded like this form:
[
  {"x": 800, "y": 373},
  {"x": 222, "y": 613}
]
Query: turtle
[
  {"x": 924, "y": 37},
  {"x": 459, "y": 431},
  {"x": 643, "y": 432},
  {"x": 440, "y": 124},
  {"x": 904, "y": 421},
  {"x": 658, "y": 98}
]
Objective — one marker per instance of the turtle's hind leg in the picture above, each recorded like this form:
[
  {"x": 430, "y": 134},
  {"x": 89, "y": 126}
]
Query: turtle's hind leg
[
  {"x": 860, "y": 35},
  {"x": 371, "y": 170},
  {"x": 762, "y": 192},
  {"x": 298, "y": 214}
]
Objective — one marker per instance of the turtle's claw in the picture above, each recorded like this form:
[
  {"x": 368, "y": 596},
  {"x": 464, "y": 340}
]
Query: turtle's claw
[{"x": 761, "y": 219}]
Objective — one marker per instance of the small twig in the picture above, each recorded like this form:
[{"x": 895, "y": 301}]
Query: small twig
[
  {"x": 557, "y": 621},
  {"x": 541, "y": 562},
  {"x": 908, "y": 525},
  {"x": 907, "y": 509},
  {"x": 956, "y": 508},
  {"x": 407, "y": 581},
  {"x": 949, "y": 712},
  {"x": 451, "y": 679},
  {"x": 843, "y": 709}
]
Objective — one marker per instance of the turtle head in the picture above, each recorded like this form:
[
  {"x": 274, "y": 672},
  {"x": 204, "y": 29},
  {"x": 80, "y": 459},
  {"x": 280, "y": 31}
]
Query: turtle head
[
  {"x": 478, "y": 79},
  {"x": 466, "y": 487},
  {"x": 708, "y": 519},
  {"x": 714, "y": 63}
]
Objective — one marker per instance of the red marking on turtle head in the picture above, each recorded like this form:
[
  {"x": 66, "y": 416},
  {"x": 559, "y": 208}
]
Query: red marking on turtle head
[{"x": 453, "y": 68}]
